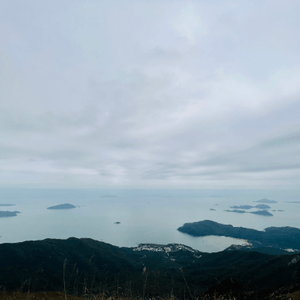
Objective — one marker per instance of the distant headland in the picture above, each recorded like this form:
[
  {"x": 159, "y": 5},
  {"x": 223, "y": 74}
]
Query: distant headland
[{"x": 62, "y": 206}]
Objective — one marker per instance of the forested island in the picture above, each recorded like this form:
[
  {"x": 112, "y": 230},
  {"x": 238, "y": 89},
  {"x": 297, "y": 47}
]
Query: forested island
[{"x": 277, "y": 237}]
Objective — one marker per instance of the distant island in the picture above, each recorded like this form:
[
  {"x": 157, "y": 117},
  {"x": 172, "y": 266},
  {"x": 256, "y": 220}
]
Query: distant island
[
  {"x": 5, "y": 214},
  {"x": 108, "y": 196},
  {"x": 265, "y": 200},
  {"x": 258, "y": 212},
  {"x": 276, "y": 237},
  {"x": 117, "y": 222},
  {"x": 62, "y": 206},
  {"x": 259, "y": 206},
  {"x": 212, "y": 209},
  {"x": 242, "y": 206},
  {"x": 261, "y": 213},
  {"x": 7, "y": 204},
  {"x": 239, "y": 211}
]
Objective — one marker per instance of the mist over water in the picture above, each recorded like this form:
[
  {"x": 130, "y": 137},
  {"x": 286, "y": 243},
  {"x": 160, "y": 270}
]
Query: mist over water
[{"x": 145, "y": 216}]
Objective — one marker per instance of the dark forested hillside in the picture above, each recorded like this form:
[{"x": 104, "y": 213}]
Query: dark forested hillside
[{"x": 77, "y": 265}]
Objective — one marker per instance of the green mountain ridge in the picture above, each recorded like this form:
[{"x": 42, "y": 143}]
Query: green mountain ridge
[{"x": 77, "y": 265}]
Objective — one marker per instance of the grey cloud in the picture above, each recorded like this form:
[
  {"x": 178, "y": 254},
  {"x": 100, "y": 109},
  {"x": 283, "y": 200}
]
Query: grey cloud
[
  {"x": 281, "y": 153},
  {"x": 150, "y": 93}
]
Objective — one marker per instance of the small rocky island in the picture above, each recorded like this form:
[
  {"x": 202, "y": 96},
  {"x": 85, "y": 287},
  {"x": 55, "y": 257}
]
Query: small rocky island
[
  {"x": 62, "y": 206},
  {"x": 7, "y": 204},
  {"x": 275, "y": 237},
  {"x": 5, "y": 214}
]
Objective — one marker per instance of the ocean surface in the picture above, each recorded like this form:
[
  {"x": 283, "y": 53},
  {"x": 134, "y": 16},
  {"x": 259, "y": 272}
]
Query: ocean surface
[{"x": 145, "y": 216}]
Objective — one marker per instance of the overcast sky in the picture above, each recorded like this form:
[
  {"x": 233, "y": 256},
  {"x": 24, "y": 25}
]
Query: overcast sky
[{"x": 150, "y": 94}]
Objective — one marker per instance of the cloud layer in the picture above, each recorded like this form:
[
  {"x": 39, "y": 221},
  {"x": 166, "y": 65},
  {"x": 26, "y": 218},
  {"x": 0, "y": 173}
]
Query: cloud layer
[{"x": 131, "y": 93}]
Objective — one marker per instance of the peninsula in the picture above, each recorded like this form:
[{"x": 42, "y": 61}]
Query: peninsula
[{"x": 276, "y": 237}]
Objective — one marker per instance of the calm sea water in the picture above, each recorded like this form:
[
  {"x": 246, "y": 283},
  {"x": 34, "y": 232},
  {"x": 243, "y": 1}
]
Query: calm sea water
[{"x": 145, "y": 216}]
